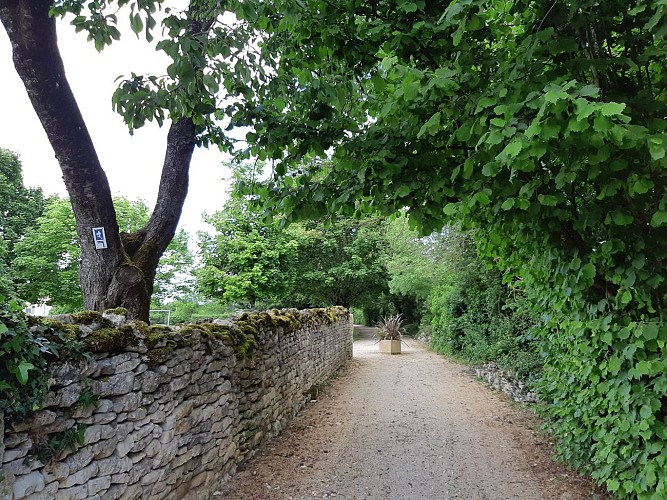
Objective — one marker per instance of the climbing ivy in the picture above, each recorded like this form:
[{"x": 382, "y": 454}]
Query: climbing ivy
[{"x": 24, "y": 351}]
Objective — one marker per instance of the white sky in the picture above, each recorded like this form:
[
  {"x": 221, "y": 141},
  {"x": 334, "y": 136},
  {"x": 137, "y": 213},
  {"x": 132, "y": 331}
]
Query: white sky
[{"x": 132, "y": 163}]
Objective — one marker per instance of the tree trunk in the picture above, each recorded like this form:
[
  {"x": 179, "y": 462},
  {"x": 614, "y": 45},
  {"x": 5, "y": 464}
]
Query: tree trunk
[{"x": 122, "y": 274}]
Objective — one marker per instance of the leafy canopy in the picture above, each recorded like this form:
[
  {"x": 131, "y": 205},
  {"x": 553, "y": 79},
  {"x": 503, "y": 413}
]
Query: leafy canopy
[{"x": 539, "y": 125}]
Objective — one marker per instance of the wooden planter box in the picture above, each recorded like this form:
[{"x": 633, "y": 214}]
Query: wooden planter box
[{"x": 390, "y": 346}]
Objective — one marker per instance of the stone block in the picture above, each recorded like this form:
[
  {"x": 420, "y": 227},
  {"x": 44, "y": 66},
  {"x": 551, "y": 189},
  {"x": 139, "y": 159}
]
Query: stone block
[
  {"x": 48, "y": 493},
  {"x": 134, "y": 492},
  {"x": 115, "y": 491},
  {"x": 128, "y": 365},
  {"x": 138, "y": 414},
  {"x": 152, "y": 477},
  {"x": 104, "y": 418},
  {"x": 78, "y": 460},
  {"x": 114, "y": 465},
  {"x": 115, "y": 385},
  {"x": 55, "y": 471},
  {"x": 15, "y": 453},
  {"x": 152, "y": 448},
  {"x": 122, "y": 478},
  {"x": 138, "y": 471},
  {"x": 99, "y": 485},
  {"x": 75, "y": 493},
  {"x": 104, "y": 406},
  {"x": 83, "y": 412},
  {"x": 179, "y": 383},
  {"x": 124, "y": 446},
  {"x": 127, "y": 403},
  {"x": 104, "y": 448},
  {"x": 81, "y": 476},
  {"x": 67, "y": 373},
  {"x": 70, "y": 394},
  {"x": 28, "y": 484},
  {"x": 59, "y": 425},
  {"x": 123, "y": 429},
  {"x": 150, "y": 381},
  {"x": 136, "y": 457},
  {"x": 20, "y": 467}
]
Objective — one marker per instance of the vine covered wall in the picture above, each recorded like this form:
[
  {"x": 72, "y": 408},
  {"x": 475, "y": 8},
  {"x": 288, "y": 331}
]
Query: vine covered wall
[{"x": 161, "y": 413}]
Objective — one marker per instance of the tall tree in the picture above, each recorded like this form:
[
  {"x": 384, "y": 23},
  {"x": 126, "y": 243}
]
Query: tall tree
[
  {"x": 19, "y": 206},
  {"x": 344, "y": 262},
  {"x": 246, "y": 261},
  {"x": 123, "y": 273},
  {"x": 46, "y": 262}
]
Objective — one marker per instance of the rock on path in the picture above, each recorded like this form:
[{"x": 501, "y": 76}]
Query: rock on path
[{"x": 411, "y": 426}]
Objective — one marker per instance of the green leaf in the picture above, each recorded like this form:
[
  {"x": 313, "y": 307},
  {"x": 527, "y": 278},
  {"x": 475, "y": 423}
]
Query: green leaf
[
  {"x": 490, "y": 169},
  {"x": 482, "y": 198},
  {"x": 553, "y": 96},
  {"x": 547, "y": 200},
  {"x": 403, "y": 191},
  {"x": 589, "y": 91},
  {"x": 641, "y": 185},
  {"x": 136, "y": 23},
  {"x": 498, "y": 122},
  {"x": 451, "y": 208},
  {"x": 659, "y": 218},
  {"x": 485, "y": 102},
  {"x": 408, "y": 7},
  {"x": 656, "y": 148},
  {"x": 612, "y": 108},
  {"x": 625, "y": 297},
  {"x": 621, "y": 219},
  {"x": 431, "y": 126},
  {"x": 650, "y": 331},
  {"x": 588, "y": 271},
  {"x": 507, "y": 204},
  {"x": 614, "y": 364},
  {"x": 511, "y": 150},
  {"x": 22, "y": 371}
]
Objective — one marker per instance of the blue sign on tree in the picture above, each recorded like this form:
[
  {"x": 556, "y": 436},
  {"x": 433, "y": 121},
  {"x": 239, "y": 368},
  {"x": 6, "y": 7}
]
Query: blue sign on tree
[{"x": 100, "y": 238}]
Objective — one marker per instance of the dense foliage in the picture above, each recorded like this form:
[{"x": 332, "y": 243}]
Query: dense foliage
[
  {"x": 313, "y": 263},
  {"x": 476, "y": 317},
  {"x": 19, "y": 208},
  {"x": 246, "y": 261},
  {"x": 24, "y": 350},
  {"x": 542, "y": 125}
]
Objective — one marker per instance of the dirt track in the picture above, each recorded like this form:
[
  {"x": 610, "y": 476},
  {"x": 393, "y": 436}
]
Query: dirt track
[{"x": 413, "y": 426}]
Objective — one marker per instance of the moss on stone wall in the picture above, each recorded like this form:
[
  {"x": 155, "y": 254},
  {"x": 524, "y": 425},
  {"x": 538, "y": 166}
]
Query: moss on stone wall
[
  {"x": 241, "y": 333},
  {"x": 111, "y": 339},
  {"x": 90, "y": 317}
]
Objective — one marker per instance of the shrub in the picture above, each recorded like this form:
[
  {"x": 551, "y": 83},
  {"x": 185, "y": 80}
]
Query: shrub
[
  {"x": 24, "y": 350},
  {"x": 390, "y": 327}
]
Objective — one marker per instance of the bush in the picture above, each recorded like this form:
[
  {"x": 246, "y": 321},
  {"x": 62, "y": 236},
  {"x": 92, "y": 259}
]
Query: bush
[
  {"x": 474, "y": 318},
  {"x": 24, "y": 349}
]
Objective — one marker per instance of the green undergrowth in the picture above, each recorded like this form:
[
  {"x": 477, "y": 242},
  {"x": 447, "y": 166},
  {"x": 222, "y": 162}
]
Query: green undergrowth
[{"x": 476, "y": 319}]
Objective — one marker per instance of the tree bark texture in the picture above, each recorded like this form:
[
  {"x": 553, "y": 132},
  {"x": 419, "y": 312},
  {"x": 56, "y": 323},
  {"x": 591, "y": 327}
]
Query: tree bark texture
[{"x": 122, "y": 274}]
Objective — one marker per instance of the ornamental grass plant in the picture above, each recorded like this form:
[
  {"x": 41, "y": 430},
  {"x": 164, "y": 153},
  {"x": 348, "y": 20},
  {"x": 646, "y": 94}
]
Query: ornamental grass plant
[{"x": 390, "y": 327}]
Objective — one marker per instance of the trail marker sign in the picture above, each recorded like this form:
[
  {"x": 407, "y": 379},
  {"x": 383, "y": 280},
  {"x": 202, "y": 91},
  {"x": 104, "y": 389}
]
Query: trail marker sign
[{"x": 100, "y": 238}]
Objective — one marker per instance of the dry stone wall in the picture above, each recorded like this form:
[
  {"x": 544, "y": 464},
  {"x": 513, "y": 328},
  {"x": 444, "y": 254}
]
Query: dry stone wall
[{"x": 168, "y": 413}]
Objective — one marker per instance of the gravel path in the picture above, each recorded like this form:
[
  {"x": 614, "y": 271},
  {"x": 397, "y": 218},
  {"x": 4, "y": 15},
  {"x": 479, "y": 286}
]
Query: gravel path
[{"x": 412, "y": 426}]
